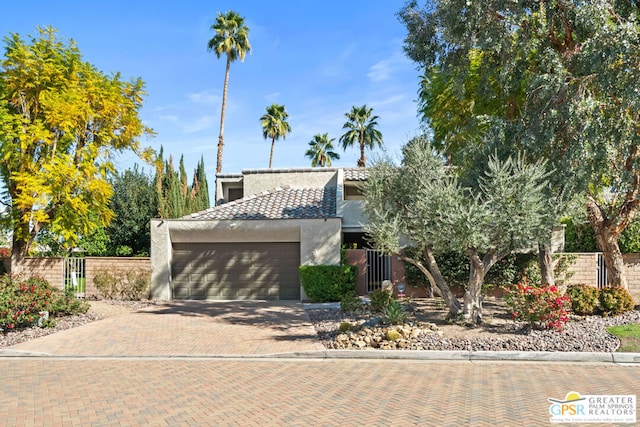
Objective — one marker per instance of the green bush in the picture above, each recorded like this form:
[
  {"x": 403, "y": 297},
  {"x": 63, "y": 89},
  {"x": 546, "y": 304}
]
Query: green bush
[
  {"x": 345, "y": 326},
  {"x": 328, "y": 283},
  {"x": 614, "y": 301},
  {"x": 22, "y": 301},
  {"x": 380, "y": 299},
  {"x": 351, "y": 303},
  {"x": 584, "y": 299},
  {"x": 393, "y": 335},
  {"x": 394, "y": 313}
]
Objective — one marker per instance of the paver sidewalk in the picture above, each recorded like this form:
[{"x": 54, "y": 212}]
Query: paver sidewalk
[{"x": 189, "y": 328}]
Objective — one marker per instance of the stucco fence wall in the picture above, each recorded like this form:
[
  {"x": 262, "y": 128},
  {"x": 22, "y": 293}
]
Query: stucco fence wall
[{"x": 52, "y": 269}]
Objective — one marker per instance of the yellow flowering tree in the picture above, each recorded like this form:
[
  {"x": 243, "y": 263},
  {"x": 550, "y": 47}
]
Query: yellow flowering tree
[{"x": 61, "y": 121}]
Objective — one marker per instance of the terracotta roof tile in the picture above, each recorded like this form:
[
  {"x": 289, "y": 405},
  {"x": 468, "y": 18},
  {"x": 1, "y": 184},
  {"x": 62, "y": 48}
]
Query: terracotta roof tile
[
  {"x": 356, "y": 174},
  {"x": 279, "y": 203}
]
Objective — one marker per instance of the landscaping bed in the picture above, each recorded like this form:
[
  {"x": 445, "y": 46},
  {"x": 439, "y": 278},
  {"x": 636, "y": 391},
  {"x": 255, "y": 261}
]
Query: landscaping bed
[{"x": 428, "y": 329}]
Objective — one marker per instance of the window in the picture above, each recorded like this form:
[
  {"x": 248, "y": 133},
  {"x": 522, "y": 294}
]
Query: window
[
  {"x": 353, "y": 191},
  {"x": 235, "y": 194}
]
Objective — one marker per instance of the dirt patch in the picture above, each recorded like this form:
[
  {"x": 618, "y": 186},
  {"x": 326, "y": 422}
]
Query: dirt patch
[{"x": 495, "y": 320}]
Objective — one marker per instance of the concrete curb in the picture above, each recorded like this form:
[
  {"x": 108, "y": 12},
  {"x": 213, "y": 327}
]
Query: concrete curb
[{"x": 417, "y": 355}]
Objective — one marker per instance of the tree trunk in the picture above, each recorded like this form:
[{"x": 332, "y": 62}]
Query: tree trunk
[
  {"x": 273, "y": 143},
  {"x": 18, "y": 253},
  {"x": 362, "y": 161},
  {"x": 448, "y": 296},
  {"x": 432, "y": 283},
  {"x": 546, "y": 264},
  {"x": 224, "y": 106},
  {"x": 607, "y": 233},
  {"x": 478, "y": 269},
  {"x": 473, "y": 294}
]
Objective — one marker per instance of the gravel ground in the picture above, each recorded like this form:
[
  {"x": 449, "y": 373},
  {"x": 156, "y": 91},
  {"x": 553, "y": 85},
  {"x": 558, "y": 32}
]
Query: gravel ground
[{"x": 581, "y": 334}]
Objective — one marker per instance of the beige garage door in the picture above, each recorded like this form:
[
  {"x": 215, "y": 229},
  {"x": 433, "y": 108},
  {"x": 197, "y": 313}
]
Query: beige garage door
[{"x": 236, "y": 271}]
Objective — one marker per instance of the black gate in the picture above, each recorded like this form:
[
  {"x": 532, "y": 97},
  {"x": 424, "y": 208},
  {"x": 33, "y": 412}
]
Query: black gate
[{"x": 378, "y": 269}]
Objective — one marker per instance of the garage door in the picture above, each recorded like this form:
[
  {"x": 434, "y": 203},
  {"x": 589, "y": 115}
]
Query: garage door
[{"x": 236, "y": 271}]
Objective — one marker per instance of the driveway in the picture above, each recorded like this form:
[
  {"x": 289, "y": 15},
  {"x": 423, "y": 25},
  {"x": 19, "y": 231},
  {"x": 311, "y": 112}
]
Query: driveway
[{"x": 187, "y": 328}]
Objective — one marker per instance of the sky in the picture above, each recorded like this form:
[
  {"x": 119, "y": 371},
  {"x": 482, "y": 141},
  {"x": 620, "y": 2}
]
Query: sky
[{"x": 317, "y": 58}]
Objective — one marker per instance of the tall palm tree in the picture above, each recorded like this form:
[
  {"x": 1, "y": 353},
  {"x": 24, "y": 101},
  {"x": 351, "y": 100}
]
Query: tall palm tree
[
  {"x": 321, "y": 150},
  {"x": 275, "y": 125},
  {"x": 231, "y": 39},
  {"x": 361, "y": 130}
]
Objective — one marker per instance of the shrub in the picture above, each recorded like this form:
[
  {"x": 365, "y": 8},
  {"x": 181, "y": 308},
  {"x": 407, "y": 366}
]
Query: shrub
[
  {"x": 137, "y": 285},
  {"x": 125, "y": 284},
  {"x": 380, "y": 299},
  {"x": 584, "y": 299},
  {"x": 351, "y": 303},
  {"x": 328, "y": 283},
  {"x": 393, "y": 335},
  {"x": 345, "y": 326},
  {"x": 614, "y": 301},
  {"x": 542, "y": 307},
  {"x": 394, "y": 313},
  {"x": 66, "y": 304},
  {"x": 22, "y": 301},
  {"x": 106, "y": 283}
]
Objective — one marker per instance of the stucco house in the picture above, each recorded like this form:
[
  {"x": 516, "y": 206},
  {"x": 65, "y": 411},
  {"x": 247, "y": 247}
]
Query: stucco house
[{"x": 266, "y": 223}]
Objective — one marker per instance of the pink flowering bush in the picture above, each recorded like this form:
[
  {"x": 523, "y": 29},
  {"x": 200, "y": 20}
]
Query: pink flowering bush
[
  {"x": 22, "y": 300},
  {"x": 543, "y": 307}
]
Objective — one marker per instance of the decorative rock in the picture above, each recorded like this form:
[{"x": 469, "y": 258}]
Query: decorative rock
[{"x": 584, "y": 334}]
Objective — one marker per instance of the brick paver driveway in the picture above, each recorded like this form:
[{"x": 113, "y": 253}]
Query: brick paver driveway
[
  {"x": 196, "y": 392},
  {"x": 189, "y": 328},
  {"x": 162, "y": 367}
]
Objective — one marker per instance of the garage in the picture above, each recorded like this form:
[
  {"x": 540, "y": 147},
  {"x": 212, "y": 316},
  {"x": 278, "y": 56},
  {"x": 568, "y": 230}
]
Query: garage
[{"x": 232, "y": 271}]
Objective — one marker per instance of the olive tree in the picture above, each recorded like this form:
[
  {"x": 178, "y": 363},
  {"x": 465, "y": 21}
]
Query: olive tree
[
  {"x": 421, "y": 203},
  {"x": 561, "y": 77}
]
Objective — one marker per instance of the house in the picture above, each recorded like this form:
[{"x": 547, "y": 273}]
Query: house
[{"x": 266, "y": 223}]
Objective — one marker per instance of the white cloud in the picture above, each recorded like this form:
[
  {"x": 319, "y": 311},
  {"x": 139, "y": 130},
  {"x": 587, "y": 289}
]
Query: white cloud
[
  {"x": 169, "y": 118},
  {"x": 272, "y": 97},
  {"x": 205, "y": 97},
  {"x": 394, "y": 99},
  {"x": 380, "y": 71},
  {"x": 200, "y": 124}
]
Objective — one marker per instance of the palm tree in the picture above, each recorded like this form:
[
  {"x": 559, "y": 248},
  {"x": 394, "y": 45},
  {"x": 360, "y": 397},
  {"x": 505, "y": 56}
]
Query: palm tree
[
  {"x": 275, "y": 125},
  {"x": 321, "y": 150},
  {"x": 361, "y": 130},
  {"x": 231, "y": 39}
]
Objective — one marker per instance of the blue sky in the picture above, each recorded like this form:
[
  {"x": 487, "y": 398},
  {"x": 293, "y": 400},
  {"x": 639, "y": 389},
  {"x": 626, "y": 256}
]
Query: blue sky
[{"x": 317, "y": 58}]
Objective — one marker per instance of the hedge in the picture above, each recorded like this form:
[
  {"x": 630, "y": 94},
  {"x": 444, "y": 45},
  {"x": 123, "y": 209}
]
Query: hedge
[{"x": 328, "y": 283}]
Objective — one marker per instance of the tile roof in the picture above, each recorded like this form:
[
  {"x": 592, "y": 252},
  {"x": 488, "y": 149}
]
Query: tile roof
[
  {"x": 356, "y": 174},
  {"x": 279, "y": 203}
]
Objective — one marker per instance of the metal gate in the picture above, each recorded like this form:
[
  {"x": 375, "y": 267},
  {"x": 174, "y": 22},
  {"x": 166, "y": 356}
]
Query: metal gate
[
  {"x": 74, "y": 276},
  {"x": 601, "y": 271},
  {"x": 378, "y": 269}
]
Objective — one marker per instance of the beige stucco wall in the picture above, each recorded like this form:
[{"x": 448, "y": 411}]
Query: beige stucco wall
[
  {"x": 319, "y": 241},
  {"x": 264, "y": 179},
  {"x": 351, "y": 213}
]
